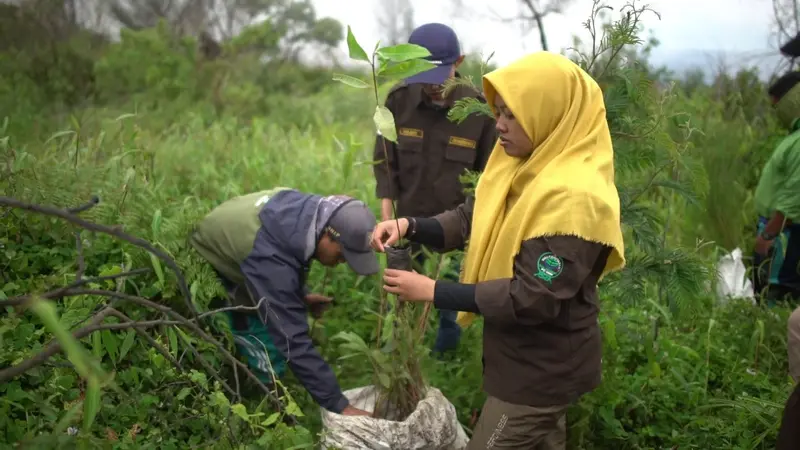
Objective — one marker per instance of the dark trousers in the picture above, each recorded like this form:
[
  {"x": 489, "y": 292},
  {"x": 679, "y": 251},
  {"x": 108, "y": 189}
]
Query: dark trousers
[
  {"x": 251, "y": 336},
  {"x": 449, "y": 333},
  {"x": 507, "y": 426},
  {"x": 776, "y": 276}
]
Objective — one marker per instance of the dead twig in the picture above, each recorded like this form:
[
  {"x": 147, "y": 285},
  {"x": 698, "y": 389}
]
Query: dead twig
[
  {"x": 69, "y": 216},
  {"x": 52, "y": 348},
  {"x": 177, "y": 319},
  {"x": 56, "y": 293},
  {"x": 149, "y": 339},
  {"x": 95, "y": 322}
]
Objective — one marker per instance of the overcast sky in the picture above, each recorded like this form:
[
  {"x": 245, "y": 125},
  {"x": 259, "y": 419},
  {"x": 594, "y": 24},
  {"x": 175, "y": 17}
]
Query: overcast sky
[{"x": 690, "y": 31}]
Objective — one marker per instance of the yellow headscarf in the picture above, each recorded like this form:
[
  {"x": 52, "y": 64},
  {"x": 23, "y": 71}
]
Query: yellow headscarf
[{"x": 566, "y": 187}]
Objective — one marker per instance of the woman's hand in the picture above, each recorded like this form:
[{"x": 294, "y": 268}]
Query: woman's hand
[
  {"x": 387, "y": 233},
  {"x": 409, "y": 286}
]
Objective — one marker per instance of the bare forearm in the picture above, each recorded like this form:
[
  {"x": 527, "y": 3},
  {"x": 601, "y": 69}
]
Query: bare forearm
[
  {"x": 386, "y": 208},
  {"x": 777, "y": 223}
]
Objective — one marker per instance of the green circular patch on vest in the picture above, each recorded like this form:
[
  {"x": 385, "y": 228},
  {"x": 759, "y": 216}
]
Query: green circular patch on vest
[{"x": 549, "y": 266}]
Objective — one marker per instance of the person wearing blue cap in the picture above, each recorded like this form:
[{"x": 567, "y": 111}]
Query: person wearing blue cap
[
  {"x": 261, "y": 246},
  {"x": 432, "y": 151}
]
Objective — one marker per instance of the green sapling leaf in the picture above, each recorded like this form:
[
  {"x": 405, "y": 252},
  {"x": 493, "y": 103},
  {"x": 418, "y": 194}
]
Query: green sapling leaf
[
  {"x": 405, "y": 69},
  {"x": 356, "y": 52},
  {"x": 403, "y": 52},
  {"x": 350, "y": 81},
  {"x": 384, "y": 122}
]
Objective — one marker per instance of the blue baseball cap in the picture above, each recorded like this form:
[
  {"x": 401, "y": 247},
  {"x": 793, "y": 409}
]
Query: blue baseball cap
[{"x": 445, "y": 50}]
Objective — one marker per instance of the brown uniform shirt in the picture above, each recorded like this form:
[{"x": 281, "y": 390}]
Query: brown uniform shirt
[
  {"x": 541, "y": 339},
  {"x": 431, "y": 151}
]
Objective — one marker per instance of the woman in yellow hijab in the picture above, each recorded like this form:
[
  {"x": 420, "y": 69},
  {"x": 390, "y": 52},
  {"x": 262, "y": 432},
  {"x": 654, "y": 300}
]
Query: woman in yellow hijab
[{"x": 543, "y": 228}]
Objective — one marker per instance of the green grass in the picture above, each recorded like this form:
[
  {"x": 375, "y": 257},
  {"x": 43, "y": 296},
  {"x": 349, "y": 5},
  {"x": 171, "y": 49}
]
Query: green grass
[
  {"x": 713, "y": 379},
  {"x": 679, "y": 371}
]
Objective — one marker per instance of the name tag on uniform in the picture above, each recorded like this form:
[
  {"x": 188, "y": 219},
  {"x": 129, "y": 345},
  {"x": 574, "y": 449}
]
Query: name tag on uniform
[
  {"x": 462, "y": 142},
  {"x": 410, "y": 132}
]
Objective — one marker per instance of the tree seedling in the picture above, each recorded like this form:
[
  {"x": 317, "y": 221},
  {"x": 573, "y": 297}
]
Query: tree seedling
[
  {"x": 389, "y": 64},
  {"x": 399, "y": 377}
]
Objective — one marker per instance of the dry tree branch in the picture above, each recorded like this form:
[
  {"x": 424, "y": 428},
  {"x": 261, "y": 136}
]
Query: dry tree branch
[
  {"x": 56, "y": 293},
  {"x": 53, "y": 348},
  {"x": 178, "y": 320},
  {"x": 69, "y": 216},
  {"x": 149, "y": 339},
  {"x": 172, "y": 318}
]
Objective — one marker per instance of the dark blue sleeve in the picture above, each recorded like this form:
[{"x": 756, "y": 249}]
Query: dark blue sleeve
[{"x": 285, "y": 315}]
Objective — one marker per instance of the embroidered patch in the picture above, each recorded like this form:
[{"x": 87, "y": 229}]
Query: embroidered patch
[
  {"x": 411, "y": 132},
  {"x": 462, "y": 142},
  {"x": 549, "y": 267}
]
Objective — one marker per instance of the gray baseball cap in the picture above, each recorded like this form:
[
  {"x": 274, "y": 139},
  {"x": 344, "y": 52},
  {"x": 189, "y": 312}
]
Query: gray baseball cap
[{"x": 352, "y": 225}]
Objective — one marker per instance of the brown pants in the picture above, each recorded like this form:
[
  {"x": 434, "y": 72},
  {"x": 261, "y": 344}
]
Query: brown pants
[
  {"x": 793, "y": 344},
  {"x": 507, "y": 426}
]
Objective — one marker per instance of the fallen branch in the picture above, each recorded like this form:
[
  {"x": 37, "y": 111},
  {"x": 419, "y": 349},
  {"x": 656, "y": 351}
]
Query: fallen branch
[
  {"x": 149, "y": 339},
  {"x": 95, "y": 322},
  {"x": 56, "y": 293},
  {"x": 69, "y": 216},
  {"x": 51, "y": 349},
  {"x": 178, "y": 320}
]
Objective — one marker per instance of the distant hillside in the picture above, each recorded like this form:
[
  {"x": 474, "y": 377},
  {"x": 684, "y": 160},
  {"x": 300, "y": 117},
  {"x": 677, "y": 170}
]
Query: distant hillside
[{"x": 679, "y": 61}]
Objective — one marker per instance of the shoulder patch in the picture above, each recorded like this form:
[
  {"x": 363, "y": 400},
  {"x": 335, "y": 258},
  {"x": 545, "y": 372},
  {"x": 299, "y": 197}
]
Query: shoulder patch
[{"x": 549, "y": 267}]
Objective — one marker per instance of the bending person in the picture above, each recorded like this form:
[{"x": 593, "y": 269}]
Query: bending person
[
  {"x": 543, "y": 228},
  {"x": 262, "y": 246}
]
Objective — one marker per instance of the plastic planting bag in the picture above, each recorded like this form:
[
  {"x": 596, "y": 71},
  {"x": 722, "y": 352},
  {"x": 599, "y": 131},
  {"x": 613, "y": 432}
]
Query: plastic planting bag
[
  {"x": 432, "y": 426},
  {"x": 732, "y": 280}
]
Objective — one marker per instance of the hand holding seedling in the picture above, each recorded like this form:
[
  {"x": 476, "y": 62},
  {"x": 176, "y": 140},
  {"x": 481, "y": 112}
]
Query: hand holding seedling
[
  {"x": 387, "y": 233},
  {"x": 409, "y": 286},
  {"x": 317, "y": 304}
]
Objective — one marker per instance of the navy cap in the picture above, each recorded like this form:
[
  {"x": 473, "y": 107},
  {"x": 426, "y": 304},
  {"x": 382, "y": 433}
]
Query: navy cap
[{"x": 445, "y": 50}]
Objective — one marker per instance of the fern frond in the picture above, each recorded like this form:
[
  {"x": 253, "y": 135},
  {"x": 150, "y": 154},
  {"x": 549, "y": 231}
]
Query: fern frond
[{"x": 465, "y": 107}]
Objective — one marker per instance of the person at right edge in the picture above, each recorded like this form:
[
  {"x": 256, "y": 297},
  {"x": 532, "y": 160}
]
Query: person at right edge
[
  {"x": 543, "y": 228},
  {"x": 777, "y": 201},
  {"x": 776, "y": 277},
  {"x": 432, "y": 151}
]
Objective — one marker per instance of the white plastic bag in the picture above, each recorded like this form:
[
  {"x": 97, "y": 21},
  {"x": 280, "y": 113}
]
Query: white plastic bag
[
  {"x": 732, "y": 280},
  {"x": 432, "y": 426}
]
